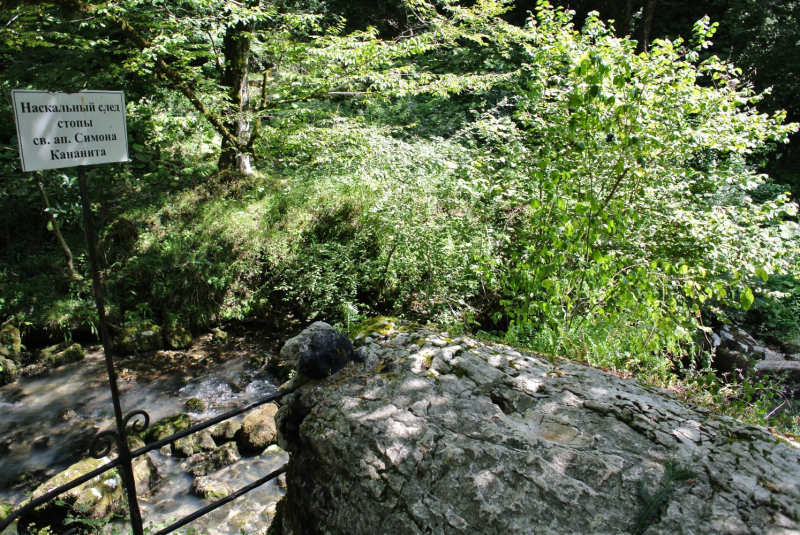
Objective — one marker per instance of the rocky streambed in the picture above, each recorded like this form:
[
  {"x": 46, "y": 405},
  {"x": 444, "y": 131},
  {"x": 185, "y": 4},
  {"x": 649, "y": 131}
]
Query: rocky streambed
[{"x": 49, "y": 419}]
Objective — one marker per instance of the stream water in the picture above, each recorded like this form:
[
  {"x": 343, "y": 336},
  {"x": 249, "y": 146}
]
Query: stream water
[{"x": 48, "y": 422}]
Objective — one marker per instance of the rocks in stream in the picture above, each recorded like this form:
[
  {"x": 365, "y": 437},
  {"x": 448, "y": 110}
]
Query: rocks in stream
[
  {"x": 258, "y": 428},
  {"x": 167, "y": 426},
  {"x": 452, "y": 435},
  {"x": 202, "y": 464},
  {"x": 226, "y": 431},
  {"x": 194, "y": 443},
  {"x": 145, "y": 473},
  {"x": 209, "y": 488}
]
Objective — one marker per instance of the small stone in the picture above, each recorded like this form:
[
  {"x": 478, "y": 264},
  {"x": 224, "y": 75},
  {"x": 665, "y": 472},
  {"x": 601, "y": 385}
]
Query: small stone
[
  {"x": 212, "y": 489},
  {"x": 194, "y": 405}
]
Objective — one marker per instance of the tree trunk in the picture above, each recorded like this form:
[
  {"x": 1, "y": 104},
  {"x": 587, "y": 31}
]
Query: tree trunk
[
  {"x": 623, "y": 15},
  {"x": 647, "y": 24},
  {"x": 59, "y": 238},
  {"x": 236, "y": 48}
]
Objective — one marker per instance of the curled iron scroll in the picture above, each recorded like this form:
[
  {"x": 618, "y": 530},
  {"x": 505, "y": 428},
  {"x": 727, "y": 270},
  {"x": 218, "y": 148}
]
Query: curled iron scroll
[
  {"x": 103, "y": 442},
  {"x": 138, "y": 425}
]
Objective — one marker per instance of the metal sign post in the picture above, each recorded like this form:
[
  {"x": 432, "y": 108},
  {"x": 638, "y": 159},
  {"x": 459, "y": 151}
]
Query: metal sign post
[{"x": 57, "y": 130}]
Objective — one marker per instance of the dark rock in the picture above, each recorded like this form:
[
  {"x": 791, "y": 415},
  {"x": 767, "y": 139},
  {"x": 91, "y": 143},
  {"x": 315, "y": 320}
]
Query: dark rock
[
  {"x": 788, "y": 370},
  {"x": 258, "y": 428},
  {"x": 734, "y": 349},
  {"x": 209, "y": 488},
  {"x": 73, "y": 353},
  {"x": 318, "y": 351},
  {"x": 202, "y": 464},
  {"x": 218, "y": 336}
]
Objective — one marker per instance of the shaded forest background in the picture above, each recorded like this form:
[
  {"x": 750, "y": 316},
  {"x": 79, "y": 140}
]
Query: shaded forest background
[{"x": 608, "y": 191}]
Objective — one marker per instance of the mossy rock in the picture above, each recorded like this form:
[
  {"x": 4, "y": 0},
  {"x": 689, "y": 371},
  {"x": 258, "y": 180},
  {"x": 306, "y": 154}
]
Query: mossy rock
[
  {"x": 8, "y": 371},
  {"x": 226, "y": 431},
  {"x": 219, "y": 336},
  {"x": 196, "y": 443},
  {"x": 202, "y": 464},
  {"x": 194, "y": 405},
  {"x": 378, "y": 324},
  {"x": 145, "y": 473},
  {"x": 5, "y": 510},
  {"x": 73, "y": 353},
  {"x": 177, "y": 338},
  {"x": 212, "y": 489},
  {"x": 140, "y": 339},
  {"x": 167, "y": 426},
  {"x": 98, "y": 498},
  {"x": 10, "y": 343}
]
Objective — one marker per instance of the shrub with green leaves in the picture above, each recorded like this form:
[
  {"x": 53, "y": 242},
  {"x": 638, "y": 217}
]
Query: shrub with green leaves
[{"x": 622, "y": 188}]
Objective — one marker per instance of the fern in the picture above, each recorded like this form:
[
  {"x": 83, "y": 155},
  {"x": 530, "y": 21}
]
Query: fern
[{"x": 673, "y": 472}]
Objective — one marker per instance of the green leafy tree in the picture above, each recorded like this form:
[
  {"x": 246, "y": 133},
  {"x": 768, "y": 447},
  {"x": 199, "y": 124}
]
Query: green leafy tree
[{"x": 625, "y": 186}]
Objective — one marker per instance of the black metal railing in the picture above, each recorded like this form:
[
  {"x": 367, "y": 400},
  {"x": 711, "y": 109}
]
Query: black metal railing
[{"x": 138, "y": 420}]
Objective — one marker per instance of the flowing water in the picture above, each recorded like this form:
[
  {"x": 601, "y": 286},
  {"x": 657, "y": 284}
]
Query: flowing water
[{"x": 48, "y": 422}]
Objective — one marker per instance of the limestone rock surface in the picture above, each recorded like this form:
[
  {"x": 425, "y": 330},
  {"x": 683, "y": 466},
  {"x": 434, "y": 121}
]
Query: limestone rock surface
[{"x": 451, "y": 435}]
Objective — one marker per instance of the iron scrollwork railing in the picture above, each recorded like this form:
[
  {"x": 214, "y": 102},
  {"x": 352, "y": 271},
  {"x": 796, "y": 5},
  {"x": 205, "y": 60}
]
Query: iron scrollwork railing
[{"x": 104, "y": 442}]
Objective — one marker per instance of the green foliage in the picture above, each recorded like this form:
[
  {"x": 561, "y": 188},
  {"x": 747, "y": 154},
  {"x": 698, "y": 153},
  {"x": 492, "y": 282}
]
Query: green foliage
[
  {"x": 674, "y": 472},
  {"x": 624, "y": 188}
]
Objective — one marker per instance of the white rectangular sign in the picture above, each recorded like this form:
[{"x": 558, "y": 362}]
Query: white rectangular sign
[{"x": 69, "y": 129}]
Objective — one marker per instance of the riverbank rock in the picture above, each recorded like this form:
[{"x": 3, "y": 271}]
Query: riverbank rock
[
  {"x": 139, "y": 339},
  {"x": 258, "y": 428},
  {"x": 177, "y": 338},
  {"x": 318, "y": 351},
  {"x": 97, "y": 498},
  {"x": 73, "y": 353},
  {"x": 734, "y": 349},
  {"x": 8, "y": 371},
  {"x": 451, "y": 435},
  {"x": 10, "y": 343}
]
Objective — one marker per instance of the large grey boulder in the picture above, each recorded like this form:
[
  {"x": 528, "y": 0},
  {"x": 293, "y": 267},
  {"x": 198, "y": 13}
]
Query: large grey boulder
[
  {"x": 318, "y": 351},
  {"x": 441, "y": 435}
]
